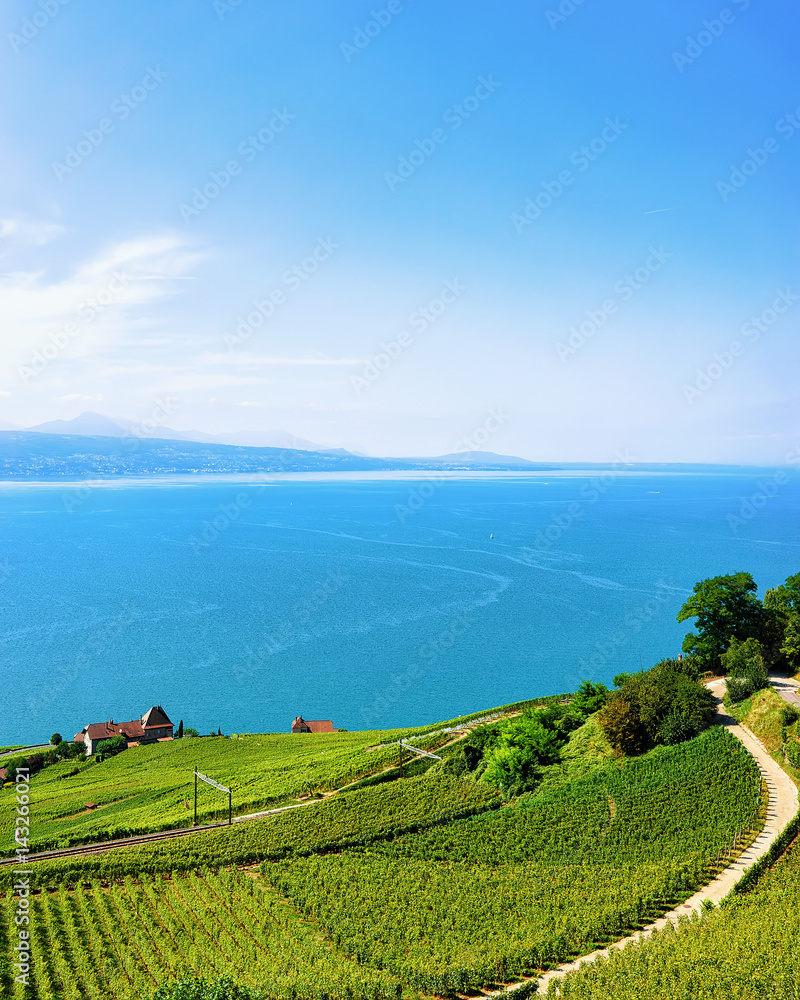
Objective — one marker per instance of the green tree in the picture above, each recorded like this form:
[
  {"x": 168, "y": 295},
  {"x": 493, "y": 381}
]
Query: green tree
[
  {"x": 589, "y": 698},
  {"x": 622, "y": 725},
  {"x": 55, "y": 739},
  {"x": 744, "y": 664},
  {"x": 180, "y": 729},
  {"x": 725, "y": 607},
  {"x": 106, "y": 748}
]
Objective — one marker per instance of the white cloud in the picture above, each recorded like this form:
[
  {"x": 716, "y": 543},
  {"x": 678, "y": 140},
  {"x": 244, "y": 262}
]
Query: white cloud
[
  {"x": 31, "y": 233},
  {"x": 105, "y": 297},
  {"x": 71, "y": 396}
]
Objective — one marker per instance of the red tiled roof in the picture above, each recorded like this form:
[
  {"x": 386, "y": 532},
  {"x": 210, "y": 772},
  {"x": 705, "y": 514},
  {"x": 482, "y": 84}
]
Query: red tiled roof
[
  {"x": 155, "y": 718},
  {"x": 301, "y": 725}
]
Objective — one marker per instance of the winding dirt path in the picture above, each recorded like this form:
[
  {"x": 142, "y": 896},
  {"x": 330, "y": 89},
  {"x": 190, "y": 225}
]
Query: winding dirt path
[{"x": 782, "y": 807}]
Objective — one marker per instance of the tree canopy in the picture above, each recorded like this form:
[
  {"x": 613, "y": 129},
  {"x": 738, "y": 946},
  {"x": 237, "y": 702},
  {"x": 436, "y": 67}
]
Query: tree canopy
[{"x": 725, "y": 607}]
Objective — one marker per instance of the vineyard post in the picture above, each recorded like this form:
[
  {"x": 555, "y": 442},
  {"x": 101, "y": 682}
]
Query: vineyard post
[
  {"x": 195, "y": 796},
  {"x": 230, "y": 820},
  {"x": 400, "y": 748}
]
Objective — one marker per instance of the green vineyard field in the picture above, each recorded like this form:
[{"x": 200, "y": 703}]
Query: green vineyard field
[
  {"x": 360, "y": 818},
  {"x": 146, "y": 788},
  {"x": 479, "y": 900},
  {"x": 746, "y": 948},
  {"x": 121, "y": 944}
]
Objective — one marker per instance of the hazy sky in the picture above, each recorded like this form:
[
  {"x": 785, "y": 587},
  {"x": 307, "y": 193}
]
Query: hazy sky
[{"x": 457, "y": 187}]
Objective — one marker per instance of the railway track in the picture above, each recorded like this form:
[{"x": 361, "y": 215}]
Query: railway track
[{"x": 110, "y": 845}]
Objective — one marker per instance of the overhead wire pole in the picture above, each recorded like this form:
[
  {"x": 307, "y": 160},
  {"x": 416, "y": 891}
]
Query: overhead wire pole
[{"x": 219, "y": 787}]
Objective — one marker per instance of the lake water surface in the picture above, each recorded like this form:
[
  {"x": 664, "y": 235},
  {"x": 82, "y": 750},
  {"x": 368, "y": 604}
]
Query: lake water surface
[{"x": 374, "y": 602}]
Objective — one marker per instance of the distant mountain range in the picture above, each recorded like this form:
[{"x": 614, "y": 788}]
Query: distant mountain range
[
  {"x": 90, "y": 424},
  {"x": 92, "y": 445}
]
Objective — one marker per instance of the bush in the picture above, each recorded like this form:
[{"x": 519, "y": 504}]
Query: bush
[
  {"x": 201, "y": 989},
  {"x": 664, "y": 705},
  {"x": 107, "y": 748},
  {"x": 744, "y": 664},
  {"x": 793, "y": 752},
  {"x": 789, "y": 715},
  {"x": 55, "y": 739}
]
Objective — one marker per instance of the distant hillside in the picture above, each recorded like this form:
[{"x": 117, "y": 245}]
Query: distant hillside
[{"x": 34, "y": 454}]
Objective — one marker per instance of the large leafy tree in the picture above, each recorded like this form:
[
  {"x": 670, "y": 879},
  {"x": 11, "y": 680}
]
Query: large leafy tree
[
  {"x": 726, "y": 608},
  {"x": 782, "y": 607}
]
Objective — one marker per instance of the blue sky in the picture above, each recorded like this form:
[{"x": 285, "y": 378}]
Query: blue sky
[{"x": 396, "y": 149}]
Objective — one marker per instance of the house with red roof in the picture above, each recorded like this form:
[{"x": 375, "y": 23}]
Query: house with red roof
[
  {"x": 301, "y": 725},
  {"x": 154, "y": 726}
]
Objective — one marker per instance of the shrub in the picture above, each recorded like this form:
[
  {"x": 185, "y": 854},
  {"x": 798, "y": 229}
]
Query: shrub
[
  {"x": 55, "y": 739},
  {"x": 789, "y": 715},
  {"x": 201, "y": 989},
  {"x": 107, "y": 748},
  {"x": 793, "y": 752},
  {"x": 744, "y": 664}
]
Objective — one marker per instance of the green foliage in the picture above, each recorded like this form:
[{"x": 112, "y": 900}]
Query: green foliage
[
  {"x": 55, "y": 739},
  {"x": 526, "y": 745},
  {"x": 789, "y": 715},
  {"x": 153, "y": 936},
  {"x": 481, "y": 900},
  {"x": 725, "y": 607},
  {"x": 107, "y": 748},
  {"x": 663, "y": 705},
  {"x": 144, "y": 789},
  {"x": 343, "y": 820},
  {"x": 743, "y": 949},
  {"x": 198, "y": 988},
  {"x": 179, "y": 733},
  {"x": 190, "y": 732},
  {"x": 744, "y": 664},
  {"x": 793, "y": 752}
]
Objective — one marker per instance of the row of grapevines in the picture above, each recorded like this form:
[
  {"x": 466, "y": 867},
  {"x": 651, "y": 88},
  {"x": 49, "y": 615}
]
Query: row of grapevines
[
  {"x": 359, "y": 818},
  {"x": 124, "y": 942},
  {"x": 747, "y": 948},
  {"x": 461, "y": 906}
]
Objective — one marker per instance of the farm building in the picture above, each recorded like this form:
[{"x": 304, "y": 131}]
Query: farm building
[
  {"x": 152, "y": 727},
  {"x": 301, "y": 725}
]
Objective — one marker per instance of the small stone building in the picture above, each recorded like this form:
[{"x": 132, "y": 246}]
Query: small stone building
[{"x": 301, "y": 725}]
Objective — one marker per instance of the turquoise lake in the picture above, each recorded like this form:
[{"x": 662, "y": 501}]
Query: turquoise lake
[{"x": 374, "y": 602}]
